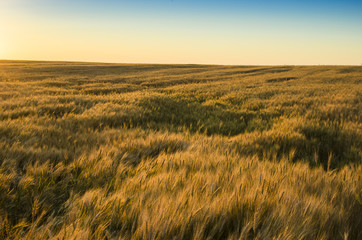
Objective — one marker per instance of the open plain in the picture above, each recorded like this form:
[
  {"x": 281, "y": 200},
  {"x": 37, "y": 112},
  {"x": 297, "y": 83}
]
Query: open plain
[{"x": 117, "y": 151}]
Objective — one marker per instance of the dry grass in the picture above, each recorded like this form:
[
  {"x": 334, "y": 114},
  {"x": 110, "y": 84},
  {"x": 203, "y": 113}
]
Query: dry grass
[{"x": 105, "y": 151}]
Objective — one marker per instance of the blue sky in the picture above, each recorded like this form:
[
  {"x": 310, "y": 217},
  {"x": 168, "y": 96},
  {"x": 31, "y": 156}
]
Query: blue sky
[{"x": 175, "y": 31}]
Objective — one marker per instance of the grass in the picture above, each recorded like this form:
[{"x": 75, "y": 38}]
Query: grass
[{"x": 107, "y": 151}]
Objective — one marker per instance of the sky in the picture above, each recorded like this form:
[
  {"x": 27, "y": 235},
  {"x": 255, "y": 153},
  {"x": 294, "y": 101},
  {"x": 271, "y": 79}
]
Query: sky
[{"x": 258, "y": 32}]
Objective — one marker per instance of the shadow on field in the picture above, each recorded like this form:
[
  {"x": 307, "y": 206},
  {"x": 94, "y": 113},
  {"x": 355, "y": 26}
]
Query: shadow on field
[
  {"x": 273, "y": 80},
  {"x": 173, "y": 113},
  {"x": 356, "y": 69},
  {"x": 317, "y": 143},
  {"x": 135, "y": 153},
  {"x": 334, "y": 146}
]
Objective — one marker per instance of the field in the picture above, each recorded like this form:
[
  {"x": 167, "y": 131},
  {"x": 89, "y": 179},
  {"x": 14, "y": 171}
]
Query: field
[{"x": 107, "y": 151}]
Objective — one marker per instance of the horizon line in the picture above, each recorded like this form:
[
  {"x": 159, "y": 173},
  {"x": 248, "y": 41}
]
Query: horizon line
[{"x": 160, "y": 63}]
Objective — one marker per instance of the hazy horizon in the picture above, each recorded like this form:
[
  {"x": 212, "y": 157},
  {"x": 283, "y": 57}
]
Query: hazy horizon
[
  {"x": 170, "y": 63},
  {"x": 183, "y": 32}
]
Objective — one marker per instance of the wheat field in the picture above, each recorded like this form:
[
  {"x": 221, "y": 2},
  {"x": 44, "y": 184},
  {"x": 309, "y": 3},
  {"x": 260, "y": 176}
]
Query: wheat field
[{"x": 117, "y": 151}]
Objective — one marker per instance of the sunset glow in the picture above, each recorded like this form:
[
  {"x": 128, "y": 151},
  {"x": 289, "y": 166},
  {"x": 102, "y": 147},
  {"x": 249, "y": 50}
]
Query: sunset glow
[{"x": 218, "y": 32}]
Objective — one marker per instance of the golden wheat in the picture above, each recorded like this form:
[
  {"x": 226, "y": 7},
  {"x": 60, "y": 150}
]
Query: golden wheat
[{"x": 107, "y": 151}]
